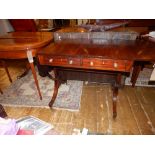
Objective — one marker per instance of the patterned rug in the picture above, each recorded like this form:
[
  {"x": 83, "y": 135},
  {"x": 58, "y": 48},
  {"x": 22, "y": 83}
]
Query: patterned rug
[
  {"x": 23, "y": 92},
  {"x": 143, "y": 78}
]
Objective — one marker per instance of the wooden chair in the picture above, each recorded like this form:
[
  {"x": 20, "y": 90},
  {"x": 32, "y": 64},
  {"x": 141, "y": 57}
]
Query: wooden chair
[
  {"x": 1, "y": 91},
  {"x": 7, "y": 71},
  {"x": 3, "y": 62},
  {"x": 2, "y": 112},
  {"x": 23, "y": 25},
  {"x": 29, "y": 25}
]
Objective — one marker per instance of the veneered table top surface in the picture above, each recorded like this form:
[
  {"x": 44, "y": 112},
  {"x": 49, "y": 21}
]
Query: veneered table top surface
[
  {"x": 141, "y": 49},
  {"x": 23, "y": 40}
]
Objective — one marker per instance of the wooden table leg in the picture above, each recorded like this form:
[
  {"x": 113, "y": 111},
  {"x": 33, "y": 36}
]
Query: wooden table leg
[
  {"x": 136, "y": 70},
  {"x": 57, "y": 84},
  {"x": 114, "y": 99},
  {"x": 56, "y": 87},
  {"x": 3, "y": 114},
  {"x": 1, "y": 91},
  {"x": 135, "y": 74},
  {"x": 30, "y": 60},
  {"x": 115, "y": 93},
  {"x": 6, "y": 69},
  {"x": 35, "y": 79}
]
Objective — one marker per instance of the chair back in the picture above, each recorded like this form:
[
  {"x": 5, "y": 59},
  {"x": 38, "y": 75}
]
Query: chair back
[{"x": 23, "y": 25}]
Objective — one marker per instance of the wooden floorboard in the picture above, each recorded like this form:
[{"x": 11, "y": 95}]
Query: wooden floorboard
[
  {"x": 129, "y": 121},
  {"x": 135, "y": 106},
  {"x": 142, "y": 121}
]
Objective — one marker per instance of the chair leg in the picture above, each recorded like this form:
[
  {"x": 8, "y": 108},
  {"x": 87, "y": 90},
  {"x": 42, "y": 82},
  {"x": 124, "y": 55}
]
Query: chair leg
[
  {"x": 6, "y": 69},
  {"x": 3, "y": 114},
  {"x": 1, "y": 91}
]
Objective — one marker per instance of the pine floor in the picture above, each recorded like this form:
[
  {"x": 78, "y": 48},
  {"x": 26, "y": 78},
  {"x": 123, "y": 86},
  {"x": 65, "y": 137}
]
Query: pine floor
[{"x": 136, "y": 109}]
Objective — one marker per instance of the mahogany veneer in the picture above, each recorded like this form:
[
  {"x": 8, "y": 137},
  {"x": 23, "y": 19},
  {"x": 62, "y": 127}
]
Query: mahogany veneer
[
  {"x": 16, "y": 45},
  {"x": 117, "y": 59}
]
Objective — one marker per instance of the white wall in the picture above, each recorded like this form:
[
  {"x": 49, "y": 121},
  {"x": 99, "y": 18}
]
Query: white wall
[{"x": 5, "y": 26}]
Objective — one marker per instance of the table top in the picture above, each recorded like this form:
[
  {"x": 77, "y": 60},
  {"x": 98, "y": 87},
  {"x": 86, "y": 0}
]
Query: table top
[
  {"x": 138, "y": 50},
  {"x": 23, "y": 40},
  {"x": 94, "y": 46},
  {"x": 94, "y": 51}
]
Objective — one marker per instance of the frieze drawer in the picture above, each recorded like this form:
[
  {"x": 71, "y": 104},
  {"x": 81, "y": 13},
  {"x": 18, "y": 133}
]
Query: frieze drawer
[
  {"x": 62, "y": 61},
  {"x": 56, "y": 61},
  {"x": 104, "y": 64},
  {"x": 90, "y": 63}
]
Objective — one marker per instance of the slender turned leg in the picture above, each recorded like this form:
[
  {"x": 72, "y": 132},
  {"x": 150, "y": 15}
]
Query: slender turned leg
[
  {"x": 1, "y": 91},
  {"x": 6, "y": 69},
  {"x": 25, "y": 72},
  {"x": 135, "y": 73},
  {"x": 35, "y": 79},
  {"x": 30, "y": 59}
]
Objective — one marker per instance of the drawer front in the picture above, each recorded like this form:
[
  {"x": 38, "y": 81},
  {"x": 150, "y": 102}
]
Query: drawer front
[
  {"x": 74, "y": 62},
  {"x": 61, "y": 61},
  {"x": 92, "y": 62},
  {"x": 56, "y": 61},
  {"x": 105, "y": 64},
  {"x": 88, "y": 63}
]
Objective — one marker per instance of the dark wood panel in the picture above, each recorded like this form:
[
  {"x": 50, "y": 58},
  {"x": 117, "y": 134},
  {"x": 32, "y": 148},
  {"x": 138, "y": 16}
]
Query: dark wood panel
[
  {"x": 23, "y": 25},
  {"x": 142, "y": 22}
]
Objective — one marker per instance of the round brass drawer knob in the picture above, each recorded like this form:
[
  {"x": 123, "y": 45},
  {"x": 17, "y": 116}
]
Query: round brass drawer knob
[
  {"x": 91, "y": 63},
  {"x": 115, "y": 65},
  {"x": 51, "y": 60},
  {"x": 70, "y": 62}
]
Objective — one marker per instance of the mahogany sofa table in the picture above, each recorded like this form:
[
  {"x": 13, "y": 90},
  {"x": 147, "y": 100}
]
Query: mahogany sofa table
[
  {"x": 110, "y": 57},
  {"x": 21, "y": 45}
]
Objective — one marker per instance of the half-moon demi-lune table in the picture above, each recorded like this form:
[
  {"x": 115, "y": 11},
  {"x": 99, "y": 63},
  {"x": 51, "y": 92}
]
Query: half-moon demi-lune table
[{"x": 21, "y": 45}]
